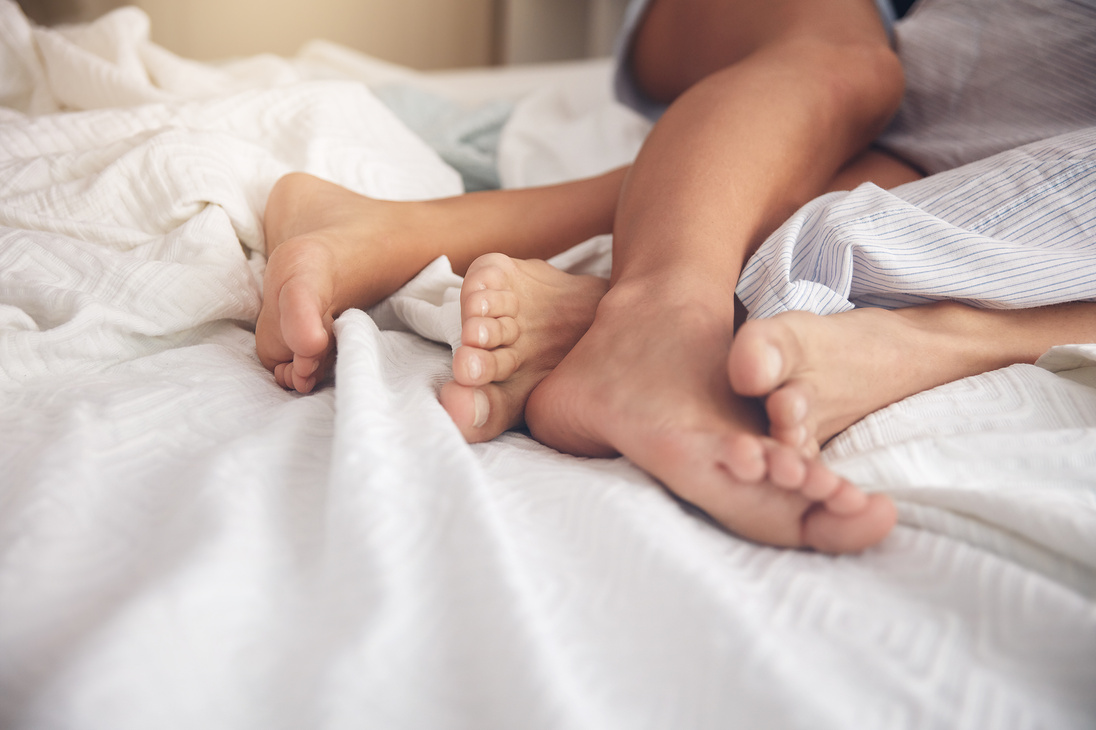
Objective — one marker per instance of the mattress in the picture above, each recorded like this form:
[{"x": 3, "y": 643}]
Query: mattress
[{"x": 185, "y": 544}]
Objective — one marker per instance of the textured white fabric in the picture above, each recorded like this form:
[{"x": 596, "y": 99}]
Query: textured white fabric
[{"x": 183, "y": 544}]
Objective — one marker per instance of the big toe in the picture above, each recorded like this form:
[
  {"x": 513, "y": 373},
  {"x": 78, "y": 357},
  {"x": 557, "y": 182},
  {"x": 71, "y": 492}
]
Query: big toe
[
  {"x": 829, "y": 532},
  {"x": 269, "y": 345},
  {"x": 303, "y": 320},
  {"x": 481, "y": 413},
  {"x": 758, "y": 361}
]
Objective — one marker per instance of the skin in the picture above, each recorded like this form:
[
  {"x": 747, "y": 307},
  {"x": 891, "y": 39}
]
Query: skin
[
  {"x": 649, "y": 364},
  {"x": 714, "y": 177}
]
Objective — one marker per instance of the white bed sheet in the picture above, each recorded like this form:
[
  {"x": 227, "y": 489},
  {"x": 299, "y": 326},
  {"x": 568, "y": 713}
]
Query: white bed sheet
[{"x": 184, "y": 544}]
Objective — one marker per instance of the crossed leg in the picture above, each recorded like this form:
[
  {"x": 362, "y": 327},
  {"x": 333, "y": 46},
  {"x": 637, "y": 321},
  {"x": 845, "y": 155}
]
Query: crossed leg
[
  {"x": 688, "y": 217},
  {"x": 649, "y": 378}
]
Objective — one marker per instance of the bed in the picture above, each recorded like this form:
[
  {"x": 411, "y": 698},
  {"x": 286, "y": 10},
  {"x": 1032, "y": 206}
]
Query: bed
[{"x": 185, "y": 544}]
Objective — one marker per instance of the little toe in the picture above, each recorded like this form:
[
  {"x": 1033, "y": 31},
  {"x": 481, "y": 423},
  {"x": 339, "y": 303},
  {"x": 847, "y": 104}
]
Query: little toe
[
  {"x": 281, "y": 374},
  {"x": 490, "y": 332}
]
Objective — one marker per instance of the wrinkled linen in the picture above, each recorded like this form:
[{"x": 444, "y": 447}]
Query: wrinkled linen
[{"x": 184, "y": 544}]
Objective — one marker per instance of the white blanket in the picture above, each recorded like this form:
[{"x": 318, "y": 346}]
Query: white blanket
[{"x": 184, "y": 544}]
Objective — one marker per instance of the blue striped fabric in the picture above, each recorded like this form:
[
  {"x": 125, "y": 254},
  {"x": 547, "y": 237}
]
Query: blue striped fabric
[{"x": 1015, "y": 230}]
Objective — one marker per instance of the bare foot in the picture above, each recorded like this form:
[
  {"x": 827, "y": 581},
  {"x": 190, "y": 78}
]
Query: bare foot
[
  {"x": 820, "y": 375},
  {"x": 649, "y": 381},
  {"x": 328, "y": 250},
  {"x": 519, "y": 318}
]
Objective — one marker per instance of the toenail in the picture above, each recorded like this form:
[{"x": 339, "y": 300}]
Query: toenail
[
  {"x": 801, "y": 436},
  {"x": 475, "y": 368},
  {"x": 483, "y": 408},
  {"x": 774, "y": 363},
  {"x": 483, "y": 308},
  {"x": 483, "y": 335}
]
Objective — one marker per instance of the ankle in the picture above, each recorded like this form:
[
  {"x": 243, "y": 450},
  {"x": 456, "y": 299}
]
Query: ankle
[{"x": 673, "y": 290}]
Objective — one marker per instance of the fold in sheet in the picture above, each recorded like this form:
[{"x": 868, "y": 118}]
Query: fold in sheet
[{"x": 185, "y": 544}]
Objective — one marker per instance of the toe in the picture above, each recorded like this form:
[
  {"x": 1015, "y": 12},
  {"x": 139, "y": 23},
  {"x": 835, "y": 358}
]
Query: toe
[
  {"x": 846, "y": 499},
  {"x": 470, "y": 366},
  {"x": 490, "y": 332},
  {"x": 489, "y": 303},
  {"x": 280, "y": 374},
  {"x": 756, "y": 364},
  {"x": 786, "y": 467},
  {"x": 797, "y": 437},
  {"x": 489, "y": 271},
  {"x": 473, "y": 366},
  {"x": 828, "y": 532},
  {"x": 743, "y": 455},
  {"x": 302, "y": 320},
  {"x": 788, "y": 407},
  {"x": 820, "y": 483},
  {"x": 480, "y": 414},
  {"x": 305, "y": 374}
]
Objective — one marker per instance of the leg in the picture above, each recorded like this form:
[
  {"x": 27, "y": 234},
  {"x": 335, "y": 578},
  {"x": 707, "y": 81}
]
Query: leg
[
  {"x": 330, "y": 249},
  {"x": 1021, "y": 217},
  {"x": 538, "y": 314},
  {"x": 715, "y": 177},
  {"x": 822, "y": 374}
]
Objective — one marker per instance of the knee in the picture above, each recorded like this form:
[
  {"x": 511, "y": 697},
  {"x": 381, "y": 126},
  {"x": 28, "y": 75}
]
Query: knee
[
  {"x": 680, "y": 42},
  {"x": 864, "y": 79},
  {"x": 861, "y": 81},
  {"x": 672, "y": 48}
]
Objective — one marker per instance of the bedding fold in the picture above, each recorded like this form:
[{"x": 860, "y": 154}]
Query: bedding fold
[{"x": 185, "y": 544}]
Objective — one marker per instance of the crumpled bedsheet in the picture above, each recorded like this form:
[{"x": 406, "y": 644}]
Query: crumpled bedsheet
[{"x": 185, "y": 544}]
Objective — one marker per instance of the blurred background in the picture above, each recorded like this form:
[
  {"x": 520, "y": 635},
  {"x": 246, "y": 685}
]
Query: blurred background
[{"x": 423, "y": 34}]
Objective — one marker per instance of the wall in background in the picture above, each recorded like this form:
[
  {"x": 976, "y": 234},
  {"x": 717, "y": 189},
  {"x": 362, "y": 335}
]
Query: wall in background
[
  {"x": 52, "y": 12},
  {"x": 425, "y": 34},
  {"x": 532, "y": 31},
  {"x": 419, "y": 33}
]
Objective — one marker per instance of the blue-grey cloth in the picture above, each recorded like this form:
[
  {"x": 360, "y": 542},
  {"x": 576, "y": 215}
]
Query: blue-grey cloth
[{"x": 467, "y": 138}]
